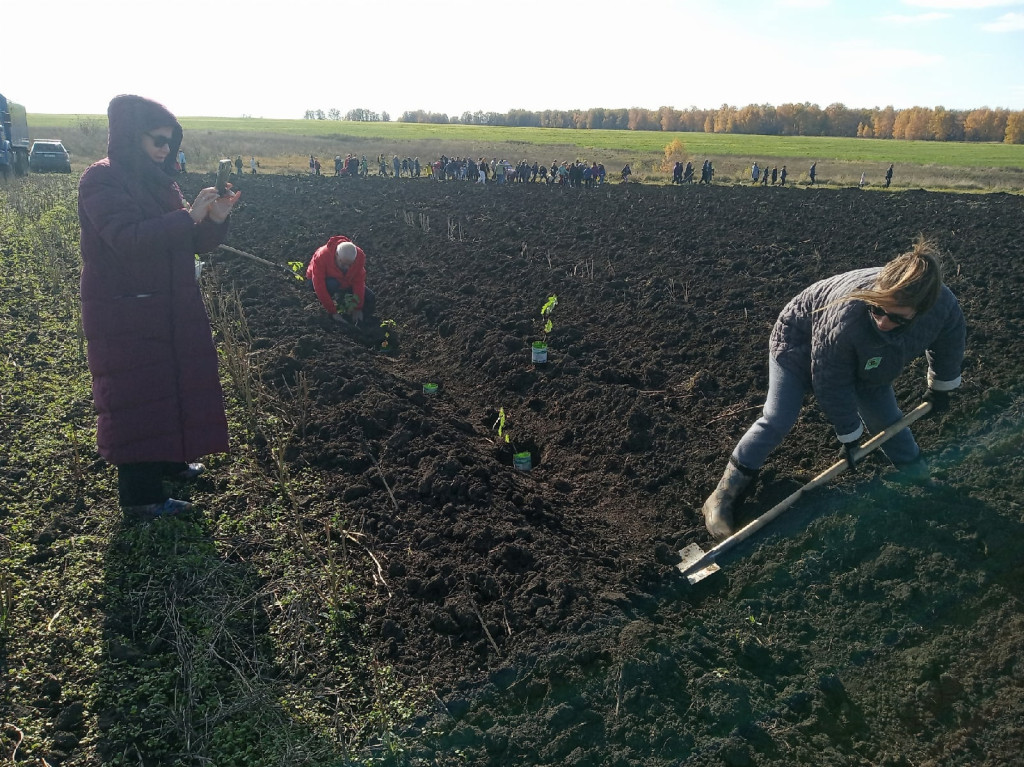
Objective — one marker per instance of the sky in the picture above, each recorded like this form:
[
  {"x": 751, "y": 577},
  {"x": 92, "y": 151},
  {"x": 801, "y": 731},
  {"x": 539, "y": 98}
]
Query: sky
[{"x": 279, "y": 59}]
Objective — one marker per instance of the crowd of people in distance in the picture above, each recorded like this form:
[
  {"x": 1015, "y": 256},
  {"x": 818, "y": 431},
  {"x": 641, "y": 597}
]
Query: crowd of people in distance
[
  {"x": 684, "y": 175},
  {"x": 774, "y": 176},
  {"x": 575, "y": 174}
]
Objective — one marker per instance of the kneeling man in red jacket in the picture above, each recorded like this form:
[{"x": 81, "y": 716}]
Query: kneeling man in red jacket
[{"x": 338, "y": 271}]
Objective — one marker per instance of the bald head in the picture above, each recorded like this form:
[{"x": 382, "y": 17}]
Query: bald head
[{"x": 345, "y": 255}]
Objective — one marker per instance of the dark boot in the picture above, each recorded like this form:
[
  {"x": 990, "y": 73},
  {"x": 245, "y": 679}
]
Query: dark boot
[
  {"x": 719, "y": 506},
  {"x": 916, "y": 472}
]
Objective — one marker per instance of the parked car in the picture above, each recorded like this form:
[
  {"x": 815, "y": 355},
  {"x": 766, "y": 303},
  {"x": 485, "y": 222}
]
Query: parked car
[{"x": 48, "y": 154}]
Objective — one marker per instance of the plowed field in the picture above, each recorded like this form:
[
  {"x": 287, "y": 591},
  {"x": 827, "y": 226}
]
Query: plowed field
[{"x": 873, "y": 624}]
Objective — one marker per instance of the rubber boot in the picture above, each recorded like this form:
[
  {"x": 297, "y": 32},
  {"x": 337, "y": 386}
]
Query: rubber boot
[
  {"x": 718, "y": 507},
  {"x": 916, "y": 472}
]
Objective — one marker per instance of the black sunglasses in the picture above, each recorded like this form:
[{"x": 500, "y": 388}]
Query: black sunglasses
[
  {"x": 159, "y": 141},
  {"x": 878, "y": 311}
]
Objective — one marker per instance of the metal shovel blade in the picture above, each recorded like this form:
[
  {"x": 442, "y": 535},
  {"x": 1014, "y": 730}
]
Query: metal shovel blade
[{"x": 691, "y": 558}]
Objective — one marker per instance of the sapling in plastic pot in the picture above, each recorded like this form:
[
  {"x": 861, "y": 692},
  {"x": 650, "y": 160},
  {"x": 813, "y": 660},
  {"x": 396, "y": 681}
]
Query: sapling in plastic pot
[
  {"x": 521, "y": 459},
  {"x": 539, "y": 349}
]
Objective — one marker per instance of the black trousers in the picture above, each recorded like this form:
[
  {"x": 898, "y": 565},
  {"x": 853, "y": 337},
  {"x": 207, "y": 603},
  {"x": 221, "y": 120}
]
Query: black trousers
[{"x": 139, "y": 484}]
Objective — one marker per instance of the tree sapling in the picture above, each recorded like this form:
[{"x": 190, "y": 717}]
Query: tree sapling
[
  {"x": 539, "y": 349},
  {"x": 522, "y": 460}
]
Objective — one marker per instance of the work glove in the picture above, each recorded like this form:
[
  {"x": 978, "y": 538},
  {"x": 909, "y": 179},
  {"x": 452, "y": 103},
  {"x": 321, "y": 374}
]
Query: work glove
[
  {"x": 848, "y": 448},
  {"x": 939, "y": 400}
]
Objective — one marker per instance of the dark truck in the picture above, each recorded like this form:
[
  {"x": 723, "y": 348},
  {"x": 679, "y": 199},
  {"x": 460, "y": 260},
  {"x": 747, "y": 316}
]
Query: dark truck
[{"x": 14, "y": 143}]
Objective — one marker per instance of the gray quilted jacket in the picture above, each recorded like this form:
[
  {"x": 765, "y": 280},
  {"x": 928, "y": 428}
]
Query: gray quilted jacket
[{"x": 839, "y": 346}]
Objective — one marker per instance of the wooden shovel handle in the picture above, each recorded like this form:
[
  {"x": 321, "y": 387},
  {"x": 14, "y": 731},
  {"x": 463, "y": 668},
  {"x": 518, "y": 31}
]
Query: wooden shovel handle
[
  {"x": 237, "y": 252},
  {"x": 826, "y": 476}
]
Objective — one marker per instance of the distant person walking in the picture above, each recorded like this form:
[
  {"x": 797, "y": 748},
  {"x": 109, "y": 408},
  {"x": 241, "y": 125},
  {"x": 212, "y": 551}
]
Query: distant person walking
[
  {"x": 782, "y": 176},
  {"x": 813, "y": 172},
  {"x": 888, "y": 177},
  {"x": 181, "y": 160},
  {"x": 863, "y": 180},
  {"x": 238, "y": 164},
  {"x": 775, "y": 174},
  {"x": 755, "y": 172}
]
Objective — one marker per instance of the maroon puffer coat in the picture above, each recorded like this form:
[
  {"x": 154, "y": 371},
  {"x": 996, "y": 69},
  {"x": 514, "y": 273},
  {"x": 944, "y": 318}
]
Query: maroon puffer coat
[{"x": 154, "y": 366}]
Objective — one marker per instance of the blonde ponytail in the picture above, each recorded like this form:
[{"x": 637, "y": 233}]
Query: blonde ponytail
[{"x": 912, "y": 279}]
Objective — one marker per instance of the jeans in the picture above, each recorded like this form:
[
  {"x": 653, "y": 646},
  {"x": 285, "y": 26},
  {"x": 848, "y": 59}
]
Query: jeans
[{"x": 786, "y": 389}]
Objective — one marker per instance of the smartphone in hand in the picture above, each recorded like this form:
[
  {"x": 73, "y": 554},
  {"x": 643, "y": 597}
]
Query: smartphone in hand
[{"x": 223, "y": 173}]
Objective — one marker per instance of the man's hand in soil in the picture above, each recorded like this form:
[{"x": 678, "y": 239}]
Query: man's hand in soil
[
  {"x": 357, "y": 316},
  {"x": 339, "y": 317}
]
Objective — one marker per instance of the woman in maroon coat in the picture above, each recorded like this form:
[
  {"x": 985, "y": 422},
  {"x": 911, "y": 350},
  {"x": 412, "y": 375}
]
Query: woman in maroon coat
[{"x": 154, "y": 366}]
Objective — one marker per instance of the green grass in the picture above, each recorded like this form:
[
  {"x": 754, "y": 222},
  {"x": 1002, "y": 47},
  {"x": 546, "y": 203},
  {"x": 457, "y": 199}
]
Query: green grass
[
  {"x": 948, "y": 154},
  {"x": 228, "y": 637}
]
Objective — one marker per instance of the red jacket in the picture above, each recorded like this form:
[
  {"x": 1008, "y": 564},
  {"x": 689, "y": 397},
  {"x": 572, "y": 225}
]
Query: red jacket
[{"x": 323, "y": 266}]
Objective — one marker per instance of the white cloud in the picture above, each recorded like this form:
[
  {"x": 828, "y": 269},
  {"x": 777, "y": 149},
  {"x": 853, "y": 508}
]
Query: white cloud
[
  {"x": 919, "y": 18},
  {"x": 963, "y": 5},
  {"x": 803, "y": 3},
  {"x": 1008, "y": 22}
]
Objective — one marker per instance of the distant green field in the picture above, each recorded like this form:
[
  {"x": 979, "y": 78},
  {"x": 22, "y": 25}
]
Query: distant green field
[{"x": 876, "y": 151}]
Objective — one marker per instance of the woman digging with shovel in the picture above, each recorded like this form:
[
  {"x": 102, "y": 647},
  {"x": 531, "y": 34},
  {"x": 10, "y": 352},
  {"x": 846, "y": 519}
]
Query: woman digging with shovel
[{"x": 846, "y": 339}]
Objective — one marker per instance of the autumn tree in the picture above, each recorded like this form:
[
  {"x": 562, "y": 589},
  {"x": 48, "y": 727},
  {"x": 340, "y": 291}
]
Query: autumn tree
[
  {"x": 946, "y": 125},
  {"x": 882, "y": 122},
  {"x": 913, "y": 124},
  {"x": 668, "y": 118},
  {"x": 724, "y": 119},
  {"x": 840, "y": 121},
  {"x": 674, "y": 152},
  {"x": 985, "y": 125},
  {"x": 642, "y": 119},
  {"x": 1014, "y": 128}
]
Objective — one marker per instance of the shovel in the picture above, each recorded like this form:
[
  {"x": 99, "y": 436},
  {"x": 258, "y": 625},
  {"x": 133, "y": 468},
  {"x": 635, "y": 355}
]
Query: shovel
[
  {"x": 271, "y": 264},
  {"x": 698, "y": 564}
]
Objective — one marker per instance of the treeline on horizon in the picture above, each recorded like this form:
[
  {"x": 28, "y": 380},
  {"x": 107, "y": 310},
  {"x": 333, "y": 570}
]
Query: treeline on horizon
[{"x": 913, "y": 123}]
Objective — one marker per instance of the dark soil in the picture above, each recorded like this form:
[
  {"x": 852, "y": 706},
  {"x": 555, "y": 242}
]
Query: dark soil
[{"x": 872, "y": 624}]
